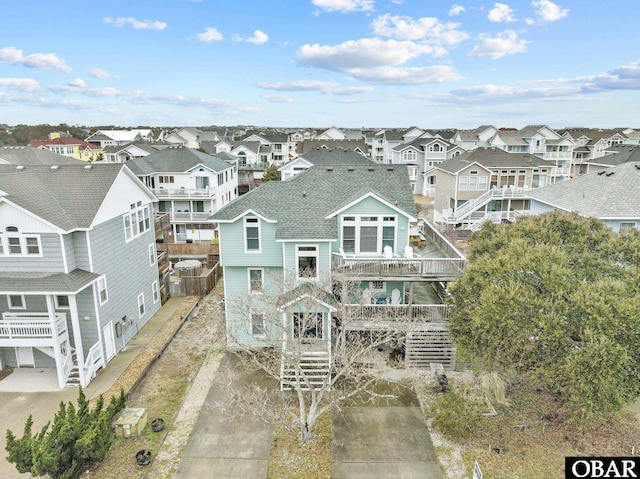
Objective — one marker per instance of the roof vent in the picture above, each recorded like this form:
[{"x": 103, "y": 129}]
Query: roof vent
[
  {"x": 370, "y": 168},
  {"x": 609, "y": 173},
  {"x": 87, "y": 167},
  {"x": 350, "y": 168},
  {"x": 304, "y": 193},
  {"x": 637, "y": 166},
  {"x": 330, "y": 168},
  {"x": 600, "y": 173},
  {"x": 54, "y": 167},
  {"x": 20, "y": 167},
  {"x": 389, "y": 168}
]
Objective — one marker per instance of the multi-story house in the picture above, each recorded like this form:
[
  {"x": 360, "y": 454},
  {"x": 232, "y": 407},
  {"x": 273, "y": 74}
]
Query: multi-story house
[
  {"x": 612, "y": 195},
  {"x": 322, "y": 157},
  {"x": 192, "y": 137},
  {"x": 590, "y": 144},
  {"x": 69, "y": 146},
  {"x": 476, "y": 138},
  {"x": 541, "y": 141},
  {"x": 383, "y": 142},
  {"x": 486, "y": 184},
  {"x": 105, "y": 138},
  {"x": 359, "y": 146},
  {"x": 130, "y": 151},
  {"x": 190, "y": 187},
  {"x": 421, "y": 155},
  {"x": 78, "y": 266},
  {"x": 292, "y": 240}
]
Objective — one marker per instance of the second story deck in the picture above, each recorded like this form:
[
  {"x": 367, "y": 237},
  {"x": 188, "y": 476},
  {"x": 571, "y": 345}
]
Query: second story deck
[{"x": 436, "y": 259}]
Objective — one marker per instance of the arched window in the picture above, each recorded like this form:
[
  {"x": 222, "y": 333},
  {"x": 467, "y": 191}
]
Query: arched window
[{"x": 409, "y": 155}]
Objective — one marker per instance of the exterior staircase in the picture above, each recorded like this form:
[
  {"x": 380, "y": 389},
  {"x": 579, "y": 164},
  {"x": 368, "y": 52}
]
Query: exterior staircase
[
  {"x": 73, "y": 379},
  {"x": 428, "y": 344},
  {"x": 313, "y": 367}
]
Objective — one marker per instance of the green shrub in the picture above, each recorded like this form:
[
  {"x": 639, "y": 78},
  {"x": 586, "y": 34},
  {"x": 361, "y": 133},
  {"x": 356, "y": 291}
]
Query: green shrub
[{"x": 456, "y": 414}]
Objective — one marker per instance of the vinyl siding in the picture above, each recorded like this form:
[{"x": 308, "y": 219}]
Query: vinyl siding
[
  {"x": 69, "y": 251},
  {"x": 232, "y": 244},
  {"x": 324, "y": 261},
  {"x": 49, "y": 262},
  {"x": 80, "y": 250},
  {"x": 128, "y": 273}
]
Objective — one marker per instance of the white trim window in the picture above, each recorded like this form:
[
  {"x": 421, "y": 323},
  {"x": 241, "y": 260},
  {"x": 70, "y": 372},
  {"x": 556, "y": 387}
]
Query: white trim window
[
  {"x": 308, "y": 325},
  {"x": 627, "y": 225},
  {"x": 152, "y": 254},
  {"x": 258, "y": 325},
  {"x": 252, "y": 235},
  {"x": 307, "y": 257},
  {"x": 378, "y": 286},
  {"x": 368, "y": 234},
  {"x": 61, "y": 302},
  {"x": 155, "y": 292},
  {"x": 103, "y": 295},
  {"x": 16, "y": 301},
  {"x": 472, "y": 182},
  {"x": 15, "y": 243},
  {"x": 136, "y": 221},
  {"x": 141, "y": 308},
  {"x": 256, "y": 280},
  {"x": 409, "y": 155}
]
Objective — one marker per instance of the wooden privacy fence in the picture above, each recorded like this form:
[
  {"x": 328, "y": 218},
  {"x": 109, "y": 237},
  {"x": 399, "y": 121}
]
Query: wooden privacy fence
[{"x": 201, "y": 285}]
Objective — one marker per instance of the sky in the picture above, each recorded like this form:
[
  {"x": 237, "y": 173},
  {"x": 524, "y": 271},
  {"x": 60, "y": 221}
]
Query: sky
[{"x": 321, "y": 63}]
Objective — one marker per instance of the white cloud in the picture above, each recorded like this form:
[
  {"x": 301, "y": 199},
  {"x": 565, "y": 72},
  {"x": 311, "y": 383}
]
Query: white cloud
[
  {"x": 41, "y": 61},
  {"x": 349, "y": 91},
  {"x": 503, "y": 44},
  {"x": 397, "y": 2},
  {"x": 548, "y": 11},
  {"x": 136, "y": 24},
  {"x": 345, "y": 6},
  {"x": 209, "y": 35},
  {"x": 282, "y": 98},
  {"x": 23, "y": 84},
  {"x": 100, "y": 73},
  {"x": 407, "y": 75},
  {"x": 456, "y": 10},
  {"x": 302, "y": 85},
  {"x": 78, "y": 83},
  {"x": 361, "y": 54},
  {"x": 428, "y": 29},
  {"x": 626, "y": 77},
  {"x": 501, "y": 12},
  {"x": 258, "y": 38}
]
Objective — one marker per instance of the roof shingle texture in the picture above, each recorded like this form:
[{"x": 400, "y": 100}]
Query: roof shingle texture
[{"x": 175, "y": 160}]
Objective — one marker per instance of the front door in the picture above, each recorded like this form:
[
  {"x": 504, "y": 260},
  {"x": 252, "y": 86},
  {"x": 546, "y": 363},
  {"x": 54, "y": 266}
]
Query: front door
[
  {"x": 109, "y": 344},
  {"x": 25, "y": 357}
]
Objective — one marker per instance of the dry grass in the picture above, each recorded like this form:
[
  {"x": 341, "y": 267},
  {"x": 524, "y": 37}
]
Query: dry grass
[
  {"x": 294, "y": 460},
  {"x": 530, "y": 438}
]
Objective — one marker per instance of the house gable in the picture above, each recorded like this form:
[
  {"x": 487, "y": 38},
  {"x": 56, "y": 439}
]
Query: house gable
[
  {"x": 26, "y": 221},
  {"x": 370, "y": 203}
]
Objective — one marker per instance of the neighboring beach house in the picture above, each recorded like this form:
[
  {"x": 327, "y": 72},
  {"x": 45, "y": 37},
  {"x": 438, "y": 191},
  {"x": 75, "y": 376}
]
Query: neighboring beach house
[
  {"x": 78, "y": 266},
  {"x": 190, "y": 187},
  {"x": 322, "y": 156},
  {"x": 293, "y": 237},
  {"x": 611, "y": 195}
]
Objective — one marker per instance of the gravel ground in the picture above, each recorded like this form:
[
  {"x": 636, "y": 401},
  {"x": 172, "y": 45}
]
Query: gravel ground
[{"x": 162, "y": 391}]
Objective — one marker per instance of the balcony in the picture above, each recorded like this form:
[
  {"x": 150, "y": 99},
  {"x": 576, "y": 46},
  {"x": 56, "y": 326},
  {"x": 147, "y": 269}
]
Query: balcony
[
  {"x": 189, "y": 217},
  {"x": 32, "y": 329},
  {"x": 398, "y": 269},
  {"x": 356, "y": 316},
  {"x": 183, "y": 193}
]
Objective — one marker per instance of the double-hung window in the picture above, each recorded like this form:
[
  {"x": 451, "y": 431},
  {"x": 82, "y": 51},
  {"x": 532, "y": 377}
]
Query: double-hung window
[
  {"x": 141, "y": 305},
  {"x": 136, "y": 221},
  {"x": 19, "y": 244},
  {"x": 252, "y": 235},
  {"x": 307, "y": 262},
  {"x": 102, "y": 290},
  {"x": 258, "y": 327},
  {"x": 256, "y": 280}
]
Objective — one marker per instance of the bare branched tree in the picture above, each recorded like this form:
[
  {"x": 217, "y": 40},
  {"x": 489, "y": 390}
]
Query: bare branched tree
[{"x": 322, "y": 345}]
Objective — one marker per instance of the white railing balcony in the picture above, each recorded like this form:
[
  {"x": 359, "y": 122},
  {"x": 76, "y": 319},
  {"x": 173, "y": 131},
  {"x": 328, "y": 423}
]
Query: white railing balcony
[
  {"x": 472, "y": 205},
  {"x": 37, "y": 328},
  {"x": 186, "y": 216},
  {"x": 554, "y": 155},
  {"x": 181, "y": 237},
  {"x": 394, "y": 313},
  {"x": 399, "y": 268},
  {"x": 561, "y": 171},
  {"x": 184, "y": 192}
]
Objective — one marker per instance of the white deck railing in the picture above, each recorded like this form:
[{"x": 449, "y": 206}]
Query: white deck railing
[
  {"x": 32, "y": 325},
  {"x": 397, "y": 267},
  {"x": 183, "y": 192},
  {"x": 492, "y": 194},
  {"x": 396, "y": 312},
  {"x": 93, "y": 362},
  {"x": 189, "y": 216}
]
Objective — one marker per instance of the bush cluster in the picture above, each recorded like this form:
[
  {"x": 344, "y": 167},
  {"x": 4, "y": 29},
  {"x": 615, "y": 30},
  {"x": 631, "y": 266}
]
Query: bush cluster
[{"x": 63, "y": 449}]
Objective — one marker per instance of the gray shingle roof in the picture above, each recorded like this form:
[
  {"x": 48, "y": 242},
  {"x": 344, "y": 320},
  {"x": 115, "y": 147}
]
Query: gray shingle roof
[
  {"x": 28, "y": 155},
  {"x": 61, "y": 283},
  {"x": 69, "y": 197},
  {"x": 308, "y": 145},
  {"x": 492, "y": 158},
  {"x": 174, "y": 159},
  {"x": 623, "y": 154},
  {"x": 301, "y": 204},
  {"x": 335, "y": 156},
  {"x": 615, "y": 193}
]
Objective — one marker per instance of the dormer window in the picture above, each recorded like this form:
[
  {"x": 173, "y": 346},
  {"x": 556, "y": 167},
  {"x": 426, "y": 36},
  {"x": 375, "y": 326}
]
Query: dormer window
[
  {"x": 409, "y": 155},
  {"x": 435, "y": 147}
]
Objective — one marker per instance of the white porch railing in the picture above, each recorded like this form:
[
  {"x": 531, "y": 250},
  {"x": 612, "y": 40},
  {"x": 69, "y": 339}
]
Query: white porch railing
[
  {"x": 183, "y": 192},
  {"x": 94, "y": 361},
  {"x": 472, "y": 205},
  {"x": 67, "y": 364},
  {"x": 443, "y": 268},
  {"x": 189, "y": 216},
  {"x": 20, "y": 326},
  {"x": 418, "y": 313}
]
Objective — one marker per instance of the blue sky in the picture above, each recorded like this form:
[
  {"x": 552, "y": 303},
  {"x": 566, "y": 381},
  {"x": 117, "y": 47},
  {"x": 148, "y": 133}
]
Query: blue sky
[{"x": 316, "y": 63}]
